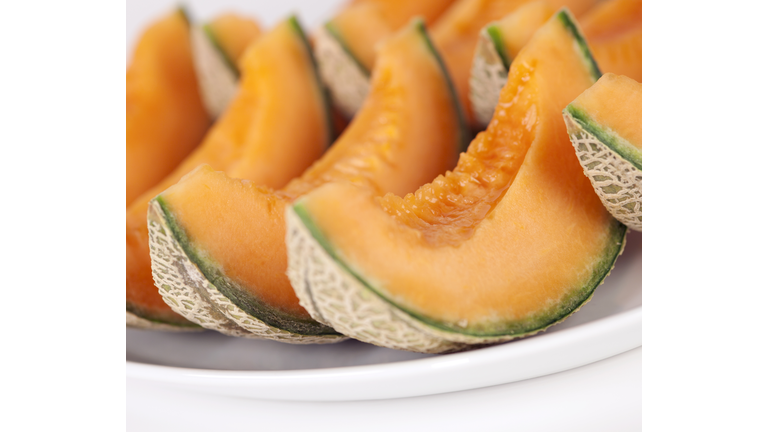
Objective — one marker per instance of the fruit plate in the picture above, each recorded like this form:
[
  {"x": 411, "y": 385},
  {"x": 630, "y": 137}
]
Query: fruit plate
[{"x": 208, "y": 362}]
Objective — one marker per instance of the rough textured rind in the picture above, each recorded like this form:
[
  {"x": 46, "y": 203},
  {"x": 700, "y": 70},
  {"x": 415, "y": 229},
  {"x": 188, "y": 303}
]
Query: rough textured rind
[
  {"x": 345, "y": 79},
  {"x": 135, "y": 321},
  {"x": 217, "y": 80},
  {"x": 186, "y": 290},
  {"x": 335, "y": 297},
  {"x": 487, "y": 78},
  {"x": 617, "y": 182}
]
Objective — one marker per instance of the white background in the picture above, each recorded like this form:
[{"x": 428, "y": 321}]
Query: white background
[{"x": 62, "y": 152}]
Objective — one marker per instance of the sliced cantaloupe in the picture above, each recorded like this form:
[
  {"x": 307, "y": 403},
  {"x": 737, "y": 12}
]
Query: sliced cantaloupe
[
  {"x": 606, "y": 129},
  {"x": 509, "y": 243},
  {"x": 345, "y": 45},
  {"x": 217, "y": 48},
  {"x": 612, "y": 28},
  {"x": 456, "y": 34},
  {"x": 276, "y": 126},
  {"x": 165, "y": 118},
  {"x": 219, "y": 242}
]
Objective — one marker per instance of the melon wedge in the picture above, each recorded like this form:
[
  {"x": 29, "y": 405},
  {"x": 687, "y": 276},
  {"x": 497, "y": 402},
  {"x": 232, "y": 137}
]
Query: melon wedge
[
  {"x": 612, "y": 28},
  {"x": 218, "y": 243},
  {"x": 165, "y": 118},
  {"x": 277, "y": 125},
  {"x": 511, "y": 242},
  {"x": 605, "y": 126},
  {"x": 217, "y": 47},
  {"x": 345, "y": 45}
]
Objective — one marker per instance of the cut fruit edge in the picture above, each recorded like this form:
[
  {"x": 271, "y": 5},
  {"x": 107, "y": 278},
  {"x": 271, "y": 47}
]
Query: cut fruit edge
[
  {"x": 616, "y": 179},
  {"x": 346, "y": 79},
  {"x": 334, "y": 295},
  {"x": 188, "y": 292},
  {"x": 217, "y": 74}
]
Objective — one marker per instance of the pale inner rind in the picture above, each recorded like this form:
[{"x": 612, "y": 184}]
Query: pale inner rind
[
  {"x": 216, "y": 80},
  {"x": 617, "y": 182},
  {"x": 187, "y": 291},
  {"x": 487, "y": 79},
  {"x": 347, "y": 83},
  {"x": 135, "y": 321}
]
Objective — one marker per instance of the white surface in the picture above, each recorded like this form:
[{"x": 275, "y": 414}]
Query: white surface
[{"x": 600, "y": 397}]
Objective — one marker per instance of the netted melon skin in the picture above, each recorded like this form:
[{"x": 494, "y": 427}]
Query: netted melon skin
[
  {"x": 134, "y": 321},
  {"x": 335, "y": 297},
  {"x": 617, "y": 182},
  {"x": 216, "y": 78},
  {"x": 487, "y": 79},
  {"x": 187, "y": 291},
  {"x": 347, "y": 83}
]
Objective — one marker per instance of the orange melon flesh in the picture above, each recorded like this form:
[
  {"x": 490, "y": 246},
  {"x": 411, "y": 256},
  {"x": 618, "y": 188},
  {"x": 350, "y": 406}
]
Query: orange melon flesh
[
  {"x": 165, "y": 117},
  {"x": 234, "y": 33},
  {"x": 276, "y": 126},
  {"x": 457, "y": 31},
  {"x": 365, "y": 23},
  {"x": 408, "y": 131},
  {"x": 624, "y": 119},
  {"x": 513, "y": 240},
  {"x": 614, "y": 30},
  {"x": 518, "y": 27}
]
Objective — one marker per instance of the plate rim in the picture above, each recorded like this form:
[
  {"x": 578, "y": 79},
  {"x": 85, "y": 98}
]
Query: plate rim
[{"x": 531, "y": 357}]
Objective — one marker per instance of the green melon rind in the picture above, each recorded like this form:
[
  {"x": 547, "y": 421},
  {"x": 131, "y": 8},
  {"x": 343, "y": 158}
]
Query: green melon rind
[
  {"x": 334, "y": 296},
  {"x": 606, "y": 136},
  {"x": 464, "y": 135},
  {"x": 346, "y": 79},
  {"x": 209, "y": 298},
  {"x": 488, "y": 76},
  {"x": 217, "y": 45},
  {"x": 613, "y": 166},
  {"x": 322, "y": 88},
  {"x": 217, "y": 76},
  {"x": 495, "y": 36},
  {"x": 569, "y": 22},
  {"x": 451, "y": 332},
  {"x": 490, "y": 65}
]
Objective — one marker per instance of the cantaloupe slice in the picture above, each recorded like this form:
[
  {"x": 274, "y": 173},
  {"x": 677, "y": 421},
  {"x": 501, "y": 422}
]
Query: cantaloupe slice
[
  {"x": 277, "y": 125},
  {"x": 613, "y": 30},
  {"x": 165, "y": 118},
  {"x": 606, "y": 129},
  {"x": 218, "y": 244},
  {"x": 345, "y": 45},
  {"x": 217, "y": 48},
  {"x": 511, "y": 242}
]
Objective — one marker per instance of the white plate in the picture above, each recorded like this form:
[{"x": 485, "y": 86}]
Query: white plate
[{"x": 212, "y": 363}]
